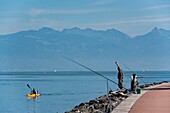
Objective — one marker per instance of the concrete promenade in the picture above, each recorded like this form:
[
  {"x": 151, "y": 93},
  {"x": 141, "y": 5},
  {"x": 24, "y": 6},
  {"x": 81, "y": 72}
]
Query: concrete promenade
[{"x": 155, "y": 99}]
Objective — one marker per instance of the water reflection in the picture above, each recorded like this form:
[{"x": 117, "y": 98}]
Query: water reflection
[{"x": 33, "y": 105}]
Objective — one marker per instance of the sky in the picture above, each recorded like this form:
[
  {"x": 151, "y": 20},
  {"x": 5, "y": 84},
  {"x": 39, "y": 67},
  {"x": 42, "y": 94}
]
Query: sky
[{"x": 133, "y": 17}]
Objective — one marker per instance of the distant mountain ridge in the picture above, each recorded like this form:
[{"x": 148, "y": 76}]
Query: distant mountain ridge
[{"x": 42, "y": 49}]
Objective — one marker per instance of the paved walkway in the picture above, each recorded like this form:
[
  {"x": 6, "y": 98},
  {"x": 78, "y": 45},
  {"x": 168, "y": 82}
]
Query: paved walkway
[{"x": 156, "y": 100}]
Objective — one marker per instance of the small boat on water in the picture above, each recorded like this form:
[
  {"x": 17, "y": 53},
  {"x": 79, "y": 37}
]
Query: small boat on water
[{"x": 33, "y": 95}]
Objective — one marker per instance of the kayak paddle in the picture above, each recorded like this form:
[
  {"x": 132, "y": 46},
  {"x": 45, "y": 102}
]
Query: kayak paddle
[{"x": 29, "y": 86}]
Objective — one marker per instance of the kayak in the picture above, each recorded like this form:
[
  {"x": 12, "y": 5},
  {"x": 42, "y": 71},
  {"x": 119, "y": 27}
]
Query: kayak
[{"x": 33, "y": 95}]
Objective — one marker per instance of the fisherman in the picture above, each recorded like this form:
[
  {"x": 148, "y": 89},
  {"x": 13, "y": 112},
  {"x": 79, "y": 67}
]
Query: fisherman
[
  {"x": 134, "y": 83},
  {"x": 34, "y": 91},
  {"x": 119, "y": 76}
]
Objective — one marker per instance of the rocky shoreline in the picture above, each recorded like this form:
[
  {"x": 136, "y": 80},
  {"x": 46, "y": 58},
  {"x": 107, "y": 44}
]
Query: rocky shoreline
[{"x": 106, "y": 103}]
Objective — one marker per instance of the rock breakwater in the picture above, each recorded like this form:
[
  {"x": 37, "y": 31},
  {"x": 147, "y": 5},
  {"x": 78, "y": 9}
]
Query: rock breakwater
[{"x": 106, "y": 103}]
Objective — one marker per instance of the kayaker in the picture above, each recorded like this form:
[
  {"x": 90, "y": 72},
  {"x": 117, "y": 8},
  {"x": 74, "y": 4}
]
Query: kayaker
[
  {"x": 34, "y": 91},
  {"x": 134, "y": 83},
  {"x": 120, "y": 76}
]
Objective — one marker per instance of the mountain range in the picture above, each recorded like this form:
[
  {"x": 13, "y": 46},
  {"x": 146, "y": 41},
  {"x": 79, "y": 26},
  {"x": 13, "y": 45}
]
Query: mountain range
[{"x": 42, "y": 50}]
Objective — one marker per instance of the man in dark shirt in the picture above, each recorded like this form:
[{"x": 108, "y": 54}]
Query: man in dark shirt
[{"x": 34, "y": 91}]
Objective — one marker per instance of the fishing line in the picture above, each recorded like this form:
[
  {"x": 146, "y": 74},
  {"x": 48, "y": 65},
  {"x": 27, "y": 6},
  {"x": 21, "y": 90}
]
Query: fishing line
[
  {"x": 125, "y": 65},
  {"x": 92, "y": 70}
]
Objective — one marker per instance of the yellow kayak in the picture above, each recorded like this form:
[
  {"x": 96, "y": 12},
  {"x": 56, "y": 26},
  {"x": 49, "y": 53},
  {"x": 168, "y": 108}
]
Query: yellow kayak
[{"x": 33, "y": 95}]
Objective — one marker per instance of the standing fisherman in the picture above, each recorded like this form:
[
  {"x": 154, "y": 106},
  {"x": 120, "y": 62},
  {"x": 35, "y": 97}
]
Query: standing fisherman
[{"x": 120, "y": 76}]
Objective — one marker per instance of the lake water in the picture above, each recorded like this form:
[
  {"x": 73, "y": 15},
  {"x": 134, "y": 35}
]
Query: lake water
[{"x": 60, "y": 91}]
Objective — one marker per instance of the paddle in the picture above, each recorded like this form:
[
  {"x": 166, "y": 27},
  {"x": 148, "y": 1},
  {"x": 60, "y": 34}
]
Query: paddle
[{"x": 29, "y": 86}]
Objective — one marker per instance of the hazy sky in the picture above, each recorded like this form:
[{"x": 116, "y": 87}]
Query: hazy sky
[{"x": 134, "y": 17}]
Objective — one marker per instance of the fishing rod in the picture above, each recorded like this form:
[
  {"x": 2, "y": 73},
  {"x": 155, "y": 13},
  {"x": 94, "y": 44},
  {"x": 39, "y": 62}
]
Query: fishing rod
[
  {"x": 131, "y": 70},
  {"x": 91, "y": 70},
  {"x": 125, "y": 65}
]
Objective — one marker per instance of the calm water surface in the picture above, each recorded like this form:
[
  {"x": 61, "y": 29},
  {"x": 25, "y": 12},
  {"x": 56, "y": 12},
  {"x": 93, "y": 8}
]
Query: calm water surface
[{"x": 60, "y": 91}]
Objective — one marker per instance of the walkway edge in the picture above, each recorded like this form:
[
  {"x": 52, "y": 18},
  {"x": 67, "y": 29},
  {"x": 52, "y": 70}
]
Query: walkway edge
[{"x": 126, "y": 105}]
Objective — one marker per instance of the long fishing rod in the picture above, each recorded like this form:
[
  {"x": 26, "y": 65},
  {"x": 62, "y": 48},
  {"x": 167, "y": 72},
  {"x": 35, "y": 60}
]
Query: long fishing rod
[
  {"x": 131, "y": 70},
  {"x": 91, "y": 70}
]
